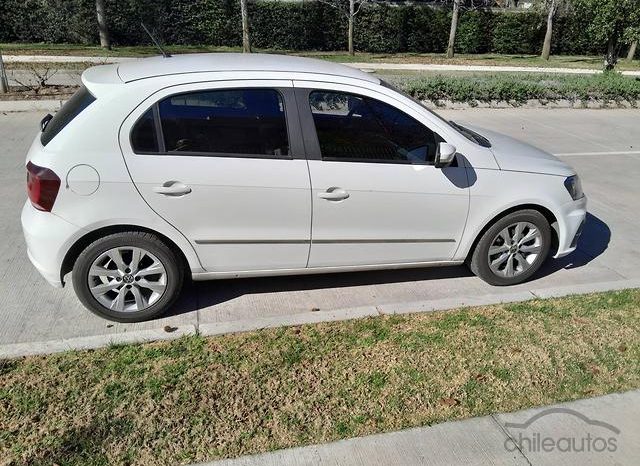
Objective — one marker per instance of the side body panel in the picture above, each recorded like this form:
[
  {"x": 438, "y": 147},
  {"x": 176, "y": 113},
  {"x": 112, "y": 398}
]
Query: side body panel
[
  {"x": 395, "y": 212},
  {"x": 243, "y": 212}
]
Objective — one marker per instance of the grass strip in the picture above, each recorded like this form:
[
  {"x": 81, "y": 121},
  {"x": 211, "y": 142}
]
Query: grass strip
[
  {"x": 488, "y": 59},
  {"x": 518, "y": 88},
  {"x": 198, "y": 399}
]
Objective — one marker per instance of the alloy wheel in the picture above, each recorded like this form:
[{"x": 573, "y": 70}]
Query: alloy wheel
[
  {"x": 127, "y": 279},
  {"x": 515, "y": 249}
]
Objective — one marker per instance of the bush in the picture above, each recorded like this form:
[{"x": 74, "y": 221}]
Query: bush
[
  {"x": 518, "y": 33},
  {"x": 518, "y": 88},
  {"x": 428, "y": 30},
  {"x": 474, "y": 32},
  {"x": 379, "y": 27}
]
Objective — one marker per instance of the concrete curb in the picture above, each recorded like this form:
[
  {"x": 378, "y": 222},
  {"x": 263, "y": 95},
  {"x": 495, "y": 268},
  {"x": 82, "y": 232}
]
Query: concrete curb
[
  {"x": 15, "y": 350},
  {"x": 247, "y": 325},
  {"x": 30, "y": 105}
]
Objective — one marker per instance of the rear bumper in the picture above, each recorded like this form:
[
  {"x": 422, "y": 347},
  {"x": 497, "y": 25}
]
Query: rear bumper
[
  {"x": 570, "y": 223},
  {"x": 48, "y": 237}
]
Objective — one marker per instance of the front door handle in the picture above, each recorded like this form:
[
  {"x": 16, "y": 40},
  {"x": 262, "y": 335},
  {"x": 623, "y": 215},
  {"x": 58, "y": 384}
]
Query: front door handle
[
  {"x": 172, "y": 188},
  {"x": 334, "y": 194}
]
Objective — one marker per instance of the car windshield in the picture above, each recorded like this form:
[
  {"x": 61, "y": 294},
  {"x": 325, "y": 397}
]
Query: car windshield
[{"x": 466, "y": 132}]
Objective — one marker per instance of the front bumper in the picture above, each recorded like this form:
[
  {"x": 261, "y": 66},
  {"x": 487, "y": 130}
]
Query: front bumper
[
  {"x": 571, "y": 219},
  {"x": 48, "y": 238}
]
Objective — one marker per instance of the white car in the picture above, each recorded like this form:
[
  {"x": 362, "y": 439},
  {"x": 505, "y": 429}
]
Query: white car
[{"x": 227, "y": 165}]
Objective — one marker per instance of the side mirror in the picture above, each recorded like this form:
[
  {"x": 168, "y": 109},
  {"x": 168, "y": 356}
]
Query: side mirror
[{"x": 445, "y": 155}]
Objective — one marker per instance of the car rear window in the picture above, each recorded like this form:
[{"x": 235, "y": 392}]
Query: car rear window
[{"x": 74, "y": 106}]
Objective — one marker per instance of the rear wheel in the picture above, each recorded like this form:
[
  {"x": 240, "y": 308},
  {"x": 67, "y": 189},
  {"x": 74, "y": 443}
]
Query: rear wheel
[
  {"x": 512, "y": 249},
  {"x": 128, "y": 277}
]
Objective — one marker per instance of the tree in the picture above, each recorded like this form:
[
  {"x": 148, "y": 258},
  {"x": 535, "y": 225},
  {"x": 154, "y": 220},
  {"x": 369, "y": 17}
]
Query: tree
[
  {"x": 103, "y": 30},
  {"x": 246, "y": 38},
  {"x": 350, "y": 9},
  {"x": 4, "y": 84},
  {"x": 632, "y": 50},
  {"x": 611, "y": 18},
  {"x": 551, "y": 8},
  {"x": 457, "y": 7},
  {"x": 631, "y": 36},
  {"x": 454, "y": 28}
]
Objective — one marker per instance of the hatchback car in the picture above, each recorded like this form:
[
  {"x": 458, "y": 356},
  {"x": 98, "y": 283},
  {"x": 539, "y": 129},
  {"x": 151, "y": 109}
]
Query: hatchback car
[{"x": 215, "y": 166}]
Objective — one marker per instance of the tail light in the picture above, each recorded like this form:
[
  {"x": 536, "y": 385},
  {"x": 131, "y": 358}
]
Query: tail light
[{"x": 42, "y": 187}]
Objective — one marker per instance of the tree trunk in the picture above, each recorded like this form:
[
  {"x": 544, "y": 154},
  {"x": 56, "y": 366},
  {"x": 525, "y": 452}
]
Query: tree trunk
[
  {"x": 611, "y": 58},
  {"x": 4, "y": 85},
  {"x": 454, "y": 27},
  {"x": 103, "y": 30},
  {"x": 246, "y": 40},
  {"x": 352, "y": 12},
  {"x": 546, "y": 47},
  {"x": 632, "y": 50}
]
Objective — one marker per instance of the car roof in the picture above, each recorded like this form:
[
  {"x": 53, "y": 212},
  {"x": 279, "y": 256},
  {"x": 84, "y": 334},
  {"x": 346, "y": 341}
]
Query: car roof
[{"x": 231, "y": 62}]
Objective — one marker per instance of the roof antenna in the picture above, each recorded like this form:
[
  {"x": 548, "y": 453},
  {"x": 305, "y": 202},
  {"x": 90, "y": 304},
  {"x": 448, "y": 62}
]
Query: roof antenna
[{"x": 155, "y": 41}]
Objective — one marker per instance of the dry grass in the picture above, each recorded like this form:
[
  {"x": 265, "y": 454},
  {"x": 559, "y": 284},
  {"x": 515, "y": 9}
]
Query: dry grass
[{"x": 198, "y": 399}]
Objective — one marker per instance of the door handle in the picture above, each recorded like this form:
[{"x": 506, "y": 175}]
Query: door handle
[
  {"x": 172, "y": 188},
  {"x": 334, "y": 194}
]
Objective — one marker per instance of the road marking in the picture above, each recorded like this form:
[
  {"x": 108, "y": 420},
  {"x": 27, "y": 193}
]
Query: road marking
[{"x": 628, "y": 152}]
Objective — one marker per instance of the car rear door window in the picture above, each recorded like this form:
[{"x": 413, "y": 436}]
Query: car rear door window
[
  {"x": 230, "y": 121},
  {"x": 361, "y": 129},
  {"x": 71, "y": 109}
]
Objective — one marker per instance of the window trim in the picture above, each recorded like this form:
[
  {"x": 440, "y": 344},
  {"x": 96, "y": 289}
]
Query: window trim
[
  {"x": 289, "y": 117},
  {"x": 312, "y": 144}
]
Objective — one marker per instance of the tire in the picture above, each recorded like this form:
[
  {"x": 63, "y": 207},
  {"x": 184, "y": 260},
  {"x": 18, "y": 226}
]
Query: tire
[
  {"x": 512, "y": 261},
  {"x": 134, "y": 293}
]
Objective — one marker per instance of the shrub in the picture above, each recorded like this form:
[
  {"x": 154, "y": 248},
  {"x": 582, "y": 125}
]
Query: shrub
[
  {"x": 519, "y": 88},
  {"x": 517, "y": 33},
  {"x": 474, "y": 32},
  {"x": 379, "y": 28}
]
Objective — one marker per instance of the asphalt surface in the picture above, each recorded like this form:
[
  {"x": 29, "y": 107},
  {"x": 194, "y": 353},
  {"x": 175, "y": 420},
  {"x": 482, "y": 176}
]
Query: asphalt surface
[{"x": 603, "y": 145}]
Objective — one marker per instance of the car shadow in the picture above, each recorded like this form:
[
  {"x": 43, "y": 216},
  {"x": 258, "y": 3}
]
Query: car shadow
[
  {"x": 198, "y": 295},
  {"x": 593, "y": 242}
]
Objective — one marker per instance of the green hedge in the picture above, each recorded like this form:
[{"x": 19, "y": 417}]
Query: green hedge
[
  {"x": 518, "y": 88},
  {"x": 380, "y": 27}
]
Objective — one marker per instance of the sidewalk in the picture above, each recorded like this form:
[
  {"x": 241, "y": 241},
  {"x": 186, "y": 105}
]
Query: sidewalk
[
  {"x": 599, "y": 431},
  {"x": 363, "y": 66}
]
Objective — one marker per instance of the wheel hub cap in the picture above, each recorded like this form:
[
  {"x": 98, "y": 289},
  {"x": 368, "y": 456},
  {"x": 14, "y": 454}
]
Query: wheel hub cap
[
  {"x": 127, "y": 279},
  {"x": 514, "y": 249}
]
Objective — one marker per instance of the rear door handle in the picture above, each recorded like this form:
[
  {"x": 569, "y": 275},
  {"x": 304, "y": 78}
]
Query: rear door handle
[
  {"x": 172, "y": 188},
  {"x": 334, "y": 194}
]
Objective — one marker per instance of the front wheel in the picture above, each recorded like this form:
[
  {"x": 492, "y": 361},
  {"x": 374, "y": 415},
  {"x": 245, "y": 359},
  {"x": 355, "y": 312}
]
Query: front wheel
[
  {"x": 512, "y": 249},
  {"x": 128, "y": 277}
]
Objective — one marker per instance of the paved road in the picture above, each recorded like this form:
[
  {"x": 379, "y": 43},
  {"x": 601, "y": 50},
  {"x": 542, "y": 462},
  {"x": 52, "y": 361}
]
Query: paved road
[{"x": 603, "y": 145}]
